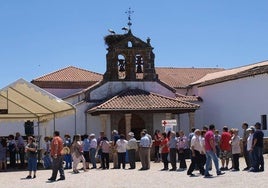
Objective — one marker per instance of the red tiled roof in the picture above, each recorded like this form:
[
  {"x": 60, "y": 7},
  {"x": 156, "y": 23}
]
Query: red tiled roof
[
  {"x": 182, "y": 77},
  {"x": 188, "y": 98},
  {"x": 140, "y": 100},
  {"x": 69, "y": 77},
  {"x": 238, "y": 73},
  {"x": 73, "y": 77}
]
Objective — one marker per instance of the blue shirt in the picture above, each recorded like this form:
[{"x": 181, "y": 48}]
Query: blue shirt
[
  {"x": 173, "y": 142},
  {"x": 145, "y": 141},
  {"x": 86, "y": 144},
  {"x": 258, "y": 135}
]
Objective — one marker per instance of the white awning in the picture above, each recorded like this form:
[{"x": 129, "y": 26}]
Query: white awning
[{"x": 22, "y": 101}]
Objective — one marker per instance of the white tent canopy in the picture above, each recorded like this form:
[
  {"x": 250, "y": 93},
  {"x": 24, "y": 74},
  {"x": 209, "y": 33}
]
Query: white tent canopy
[{"x": 22, "y": 101}]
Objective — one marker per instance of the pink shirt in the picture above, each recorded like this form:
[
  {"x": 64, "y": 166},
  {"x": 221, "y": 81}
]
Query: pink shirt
[
  {"x": 208, "y": 137},
  {"x": 105, "y": 146}
]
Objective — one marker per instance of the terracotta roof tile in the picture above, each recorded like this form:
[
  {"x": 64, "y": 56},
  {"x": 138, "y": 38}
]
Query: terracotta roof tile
[
  {"x": 69, "y": 77},
  {"x": 140, "y": 100},
  {"x": 73, "y": 77},
  {"x": 229, "y": 72},
  {"x": 182, "y": 77},
  {"x": 244, "y": 73},
  {"x": 188, "y": 98},
  {"x": 71, "y": 74}
]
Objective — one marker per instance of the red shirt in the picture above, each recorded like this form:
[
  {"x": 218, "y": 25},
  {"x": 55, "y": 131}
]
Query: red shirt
[
  {"x": 157, "y": 140},
  {"x": 56, "y": 146},
  {"x": 164, "y": 144},
  {"x": 208, "y": 137},
  {"x": 224, "y": 143}
]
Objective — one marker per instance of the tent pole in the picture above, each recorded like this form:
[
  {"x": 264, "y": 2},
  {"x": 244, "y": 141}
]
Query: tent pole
[
  {"x": 75, "y": 132},
  {"x": 54, "y": 122},
  {"x": 39, "y": 139}
]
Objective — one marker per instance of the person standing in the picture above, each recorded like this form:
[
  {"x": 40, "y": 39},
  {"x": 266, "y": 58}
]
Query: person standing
[
  {"x": 21, "y": 149},
  {"x": 225, "y": 147},
  {"x": 257, "y": 149},
  {"x": 182, "y": 147},
  {"x": 251, "y": 130},
  {"x": 244, "y": 141},
  {"x": 121, "y": 146},
  {"x": 211, "y": 151},
  {"x": 67, "y": 156},
  {"x": 12, "y": 150},
  {"x": 115, "y": 137},
  {"x": 57, "y": 158},
  {"x": 144, "y": 148},
  {"x": 173, "y": 150},
  {"x": 217, "y": 142},
  {"x": 196, "y": 148},
  {"x": 46, "y": 153},
  {"x": 236, "y": 150},
  {"x": 31, "y": 150},
  {"x": 99, "y": 150},
  {"x": 150, "y": 146},
  {"x": 132, "y": 147},
  {"x": 157, "y": 141},
  {"x": 77, "y": 153},
  {"x": 92, "y": 150},
  {"x": 105, "y": 158},
  {"x": 3, "y": 154},
  {"x": 164, "y": 150},
  {"x": 86, "y": 146}
]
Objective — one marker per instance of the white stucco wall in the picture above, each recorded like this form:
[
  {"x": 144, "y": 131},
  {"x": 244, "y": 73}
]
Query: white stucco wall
[
  {"x": 233, "y": 102},
  {"x": 112, "y": 88},
  {"x": 62, "y": 93}
]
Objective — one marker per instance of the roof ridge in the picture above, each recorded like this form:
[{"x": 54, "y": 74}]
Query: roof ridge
[{"x": 64, "y": 69}]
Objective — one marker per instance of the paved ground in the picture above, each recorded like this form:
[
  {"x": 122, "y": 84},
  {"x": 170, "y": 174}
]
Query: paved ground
[{"x": 134, "y": 178}]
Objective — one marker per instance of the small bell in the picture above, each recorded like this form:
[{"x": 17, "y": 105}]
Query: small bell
[
  {"x": 139, "y": 69},
  {"x": 121, "y": 65},
  {"x": 139, "y": 64}
]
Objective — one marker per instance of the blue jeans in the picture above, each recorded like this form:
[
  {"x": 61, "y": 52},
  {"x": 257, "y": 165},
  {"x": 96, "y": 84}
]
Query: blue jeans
[
  {"x": 92, "y": 153},
  {"x": 32, "y": 163},
  {"x": 258, "y": 163},
  {"x": 250, "y": 156},
  {"x": 68, "y": 161},
  {"x": 211, "y": 155}
]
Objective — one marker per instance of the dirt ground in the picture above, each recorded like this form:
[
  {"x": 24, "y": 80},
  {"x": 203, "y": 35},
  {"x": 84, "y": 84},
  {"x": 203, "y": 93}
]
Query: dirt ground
[{"x": 119, "y": 178}]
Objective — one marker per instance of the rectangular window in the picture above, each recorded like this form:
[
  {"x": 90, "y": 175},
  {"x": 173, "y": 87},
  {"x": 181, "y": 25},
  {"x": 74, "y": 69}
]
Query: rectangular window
[{"x": 264, "y": 122}]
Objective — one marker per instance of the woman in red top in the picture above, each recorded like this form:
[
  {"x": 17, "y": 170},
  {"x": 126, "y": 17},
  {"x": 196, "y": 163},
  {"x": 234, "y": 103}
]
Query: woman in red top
[
  {"x": 157, "y": 141},
  {"x": 164, "y": 150}
]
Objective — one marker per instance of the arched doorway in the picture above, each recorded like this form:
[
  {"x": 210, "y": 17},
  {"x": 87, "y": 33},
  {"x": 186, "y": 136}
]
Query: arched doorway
[{"x": 137, "y": 124}]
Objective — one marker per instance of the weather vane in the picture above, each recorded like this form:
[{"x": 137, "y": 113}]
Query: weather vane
[{"x": 129, "y": 12}]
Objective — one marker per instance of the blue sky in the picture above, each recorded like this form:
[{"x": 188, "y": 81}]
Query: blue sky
[{"x": 38, "y": 37}]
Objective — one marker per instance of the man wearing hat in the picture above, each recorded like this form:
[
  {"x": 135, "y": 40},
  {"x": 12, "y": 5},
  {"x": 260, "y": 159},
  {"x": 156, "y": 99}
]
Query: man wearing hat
[
  {"x": 92, "y": 150},
  {"x": 132, "y": 147},
  {"x": 250, "y": 131}
]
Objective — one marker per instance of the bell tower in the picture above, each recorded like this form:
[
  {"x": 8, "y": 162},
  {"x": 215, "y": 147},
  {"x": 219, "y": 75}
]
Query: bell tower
[{"x": 128, "y": 57}]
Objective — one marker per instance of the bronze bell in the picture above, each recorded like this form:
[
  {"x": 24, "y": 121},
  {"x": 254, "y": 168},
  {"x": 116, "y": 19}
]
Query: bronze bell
[
  {"x": 139, "y": 69},
  {"x": 139, "y": 63},
  {"x": 121, "y": 65}
]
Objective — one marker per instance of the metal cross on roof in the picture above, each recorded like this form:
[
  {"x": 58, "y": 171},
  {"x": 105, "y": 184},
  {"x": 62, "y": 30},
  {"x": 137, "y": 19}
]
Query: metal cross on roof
[{"x": 129, "y": 12}]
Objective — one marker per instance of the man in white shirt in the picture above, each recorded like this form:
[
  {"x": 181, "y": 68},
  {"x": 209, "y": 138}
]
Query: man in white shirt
[
  {"x": 92, "y": 150},
  {"x": 196, "y": 149}
]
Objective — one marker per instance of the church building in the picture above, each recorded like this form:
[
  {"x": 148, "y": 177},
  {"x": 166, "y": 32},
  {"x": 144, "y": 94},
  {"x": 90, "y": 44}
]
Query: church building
[{"x": 129, "y": 97}]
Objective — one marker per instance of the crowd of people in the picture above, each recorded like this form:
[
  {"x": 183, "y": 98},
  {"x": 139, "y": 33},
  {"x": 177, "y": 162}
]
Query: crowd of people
[{"x": 171, "y": 148}]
